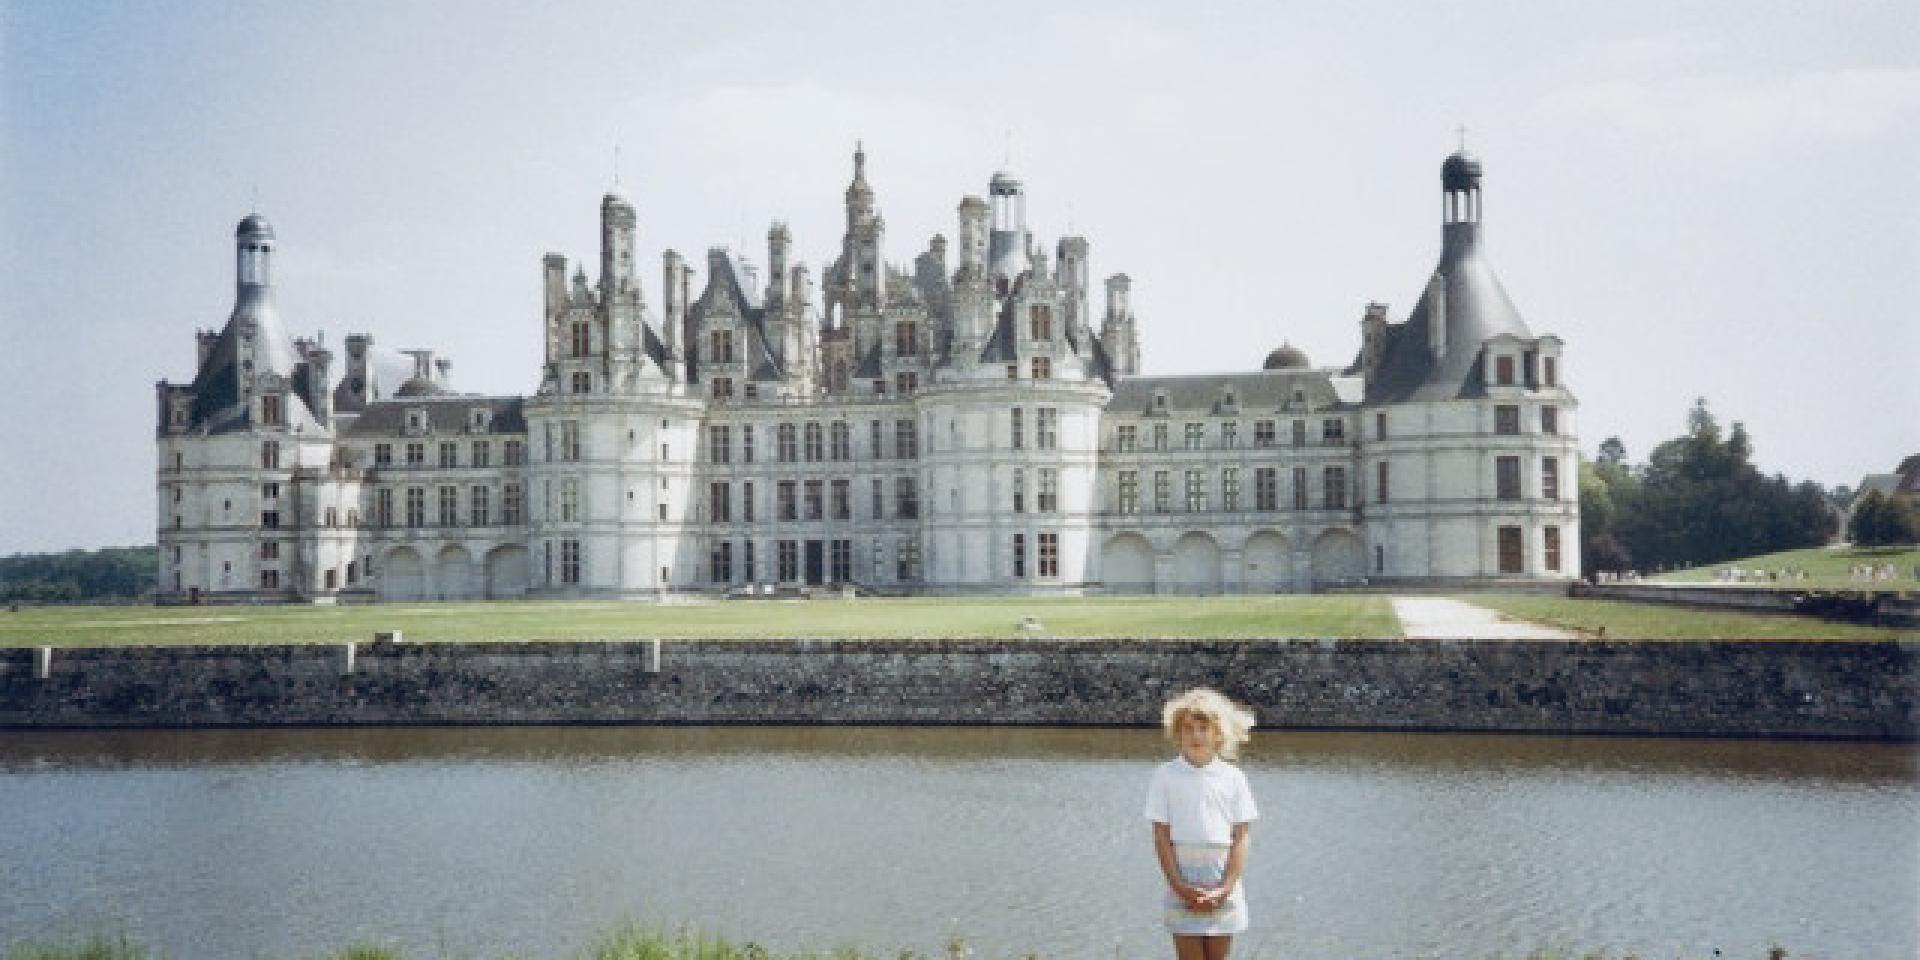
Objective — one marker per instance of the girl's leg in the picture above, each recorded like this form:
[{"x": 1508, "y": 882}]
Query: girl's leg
[
  {"x": 1216, "y": 947},
  {"x": 1189, "y": 948}
]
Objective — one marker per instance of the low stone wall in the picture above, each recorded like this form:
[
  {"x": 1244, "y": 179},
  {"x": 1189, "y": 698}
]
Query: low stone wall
[
  {"x": 1877, "y": 604},
  {"x": 1785, "y": 689}
]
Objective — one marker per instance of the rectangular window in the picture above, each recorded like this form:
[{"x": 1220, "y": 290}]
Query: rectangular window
[
  {"x": 906, "y": 339},
  {"x": 1129, "y": 491},
  {"x": 906, "y": 496},
  {"x": 478, "y": 507},
  {"x": 1550, "y": 478},
  {"x": 569, "y": 500},
  {"x": 874, "y": 445},
  {"x": 481, "y": 453},
  {"x": 1550, "y": 420},
  {"x": 746, "y": 501},
  {"x": 1549, "y": 371},
  {"x": 1196, "y": 491},
  {"x": 449, "y": 454},
  {"x": 787, "y": 443},
  {"x": 722, "y": 562},
  {"x": 270, "y": 410},
  {"x": 570, "y": 440},
  {"x": 906, "y": 382},
  {"x": 383, "y": 508},
  {"x": 1551, "y": 556},
  {"x": 1159, "y": 436},
  {"x": 1299, "y": 433},
  {"x": 1266, "y": 489},
  {"x": 840, "y": 560},
  {"x": 1229, "y": 434},
  {"x": 722, "y": 346},
  {"x": 1300, "y": 488},
  {"x": 1042, "y": 368},
  {"x": 786, "y": 496},
  {"x": 1506, "y": 420},
  {"x": 1019, "y": 555},
  {"x": 270, "y": 455},
  {"x": 746, "y": 443},
  {"x": 842, "y": 448},
  {"x": 1506, "y": 478},
  {"x": 1380, "y": 426},
  {"x": 814, "y": 494},
  {"x": 1263, "y": 435},
  {"x": 1196, "y": 436},
  {"x": 416, "y": 454},
  {"x": 512, "y": 505},
  {"x": 1230, "y": 489},
  {"x": 815, "y": 448},
  {"x": 842, "y": 499},
  {"x": 1334, "y": 496},
  {"x": 416, "y": 506},
  {"x": 383, "y": 454},
  {"x": 1380, "y": 486},
  {"x": 720, "y": 444},
  {"x": 1018, "y": 428},
  {"x": 582, "y": 382},
  {"x": 720, "y": 502},
  {"x": 722, "y": 388},
  {"x": 747, "y": 573},
  {"x": 449, "y": 506},
  {"x": 879, "y": 499},
  {"x": 1503, "y": 370},
  {"x": 906, "y": 439},
  {"x": 1126, "y": 439},
  {"x": 515, "y": 453},
  {"x": 1013, "y": 371},
  {"x": 1046, "y": 428},
  {"x": 270, "y": 579},
  {"x": 569, "y": 561},
  {"x": 270, "y": 550},
  {"x": 1047, "y": 496},
  {"x": 1049, "y": 555},
  {"x": 1162, "y": 491},
  {"x": 1019, "y": 490},
  {"x": 906, "y": 559},
  {"x": 269, "y": 491},
  {"x": 787, "y": 554},
  {"x": 1040, "y": 322},
  {"x": 582, "y": 339},
  {"x": 1513, "y": 557},
  {"x": 1333, "y": 430}
]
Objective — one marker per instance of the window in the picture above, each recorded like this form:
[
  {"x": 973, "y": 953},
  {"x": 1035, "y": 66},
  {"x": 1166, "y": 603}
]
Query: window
[
  {"x": 1299, "y": 433},
  {"x": 383, "y": 508},
  {"x": 269, "y": 579},
  {"x": 1049, "y": 555},
  {"x": 720, "y": 444},
  {"x": 1299, "y": 488},
  {"x": 570, "y": 440},
  {"x": 1019, "y": 428},
  {"x": 873, "y": 440},
  {"x": 1042, "y": 368},
  {"x": 815, "y": 499},
  {"x": 906, "y": 382},
  {"x": 906, "y": 439},
  {"x": 841, "y": 442},
  {"x": 1129, "y": 491},
  {"x": 1503, "y": 370},
  {"x": 270, "y": 410},
  {"x": 270, "y": 455},
  {"x": 481, "y": 453},
  {"x": 746, "y": 561},
  {"x": 746, "y": 443},
  {"x": 416, "y": 506},
  {"x": 449, "y": 506},
  {"x": 1380, "y": 426},
  {"x": 1196, "y": 491},
  {"x": 582, "y": 382},
  {"x": 478, "y": 507},
  {"x": 721, "y": 562},
  {"x": 1019, "y": 555},
  {"x": 1046, "y": 428},
  {"x": 512, "y": 505},
  {"x": 786, "y": 496},
  {"x": 1513, "y": 557},
  {"x": 1263, "y": 433},
  {"x": 333, "y": 517},
  {"x": 268, "y": 491},
  {"x": 1550, "y": 420},
  {"x": 569, "y": 500},
  {"x": 815, "y": 442},
  {"x": 1040, "y": 322},
  {"x": 383, "y": 454},
  {"x": 515, "y": 453},
  {"x": 1047, "y": 496},
  {"x": 1013, "y": 371},
  {"x": 569, "y": 561},
  {"x": 906, "y": 496},
  {"x": 746, "y": 506},
  {"x": 582, "y": 339},
  {"x": 1506, "y": 419},
  {"x": 1196, "y": 436},
  {"x": 720, "y": 502},
  {"x": 722, "y": 341},
  {"x": 1506, "y": 478},
  {"x": 416, "y": 454},
  {"x": 906, "y": 338},
  {"x": 1229, "y": 434},
  {"x": 1162, "y": 491},
  {"x": 1126, "y": 438},
  {"x": 1230, "y": 489},
  {"x": 906, "y": 559},
  {"x": 449, "y": 454},
  {"x": 1334, "y": 496},
  {"x": 270, "y": 550},
  {"x": 787, "y": 554},
  {"x": 1550, "y": 478},
  {"x": 1266, "y": 489},
  {"x": 1549, "y": 372},
  {"x": 1159, "y": 436},
  {"x": 1551, "y": 555},
  {"x": 722, "y": 388},
  {"x": 1019, "y": 490},
  {"x": 788, "y": 443},
  {"x": 1333, "y": 431},
  {"x": 842, "y": 499},
  {"x": 1380, "y": 486},
  {"x": 879, "y": 501},
  {"x": 840, "y": 560}
]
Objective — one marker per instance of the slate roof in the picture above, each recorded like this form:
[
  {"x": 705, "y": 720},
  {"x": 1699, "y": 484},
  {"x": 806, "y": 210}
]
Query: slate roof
[
  {"x": 445, "y": 416},
  {"x": 216, "y": 385},
  {"x": 1263, "y": 391}
]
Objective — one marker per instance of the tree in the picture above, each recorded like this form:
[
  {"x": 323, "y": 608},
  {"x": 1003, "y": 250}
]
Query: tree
[{"x": 1879, "y": 520}]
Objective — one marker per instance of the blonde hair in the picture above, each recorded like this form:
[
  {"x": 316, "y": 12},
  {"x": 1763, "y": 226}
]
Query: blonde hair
[{"x": 1231, "y": 722}]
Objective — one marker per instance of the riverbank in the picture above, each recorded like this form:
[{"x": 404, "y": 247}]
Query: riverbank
[{"x": 1829, "y": 689}]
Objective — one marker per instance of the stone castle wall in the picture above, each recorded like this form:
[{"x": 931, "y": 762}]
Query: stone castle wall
[{"x": 1768, "y": 689}]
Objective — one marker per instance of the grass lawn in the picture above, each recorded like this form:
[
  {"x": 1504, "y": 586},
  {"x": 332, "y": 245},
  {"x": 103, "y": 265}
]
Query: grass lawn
[
  {"x": 1825, "y": 567},
  {"x": 866, "y": 618},
  {"x": 1625, "y": 620}
]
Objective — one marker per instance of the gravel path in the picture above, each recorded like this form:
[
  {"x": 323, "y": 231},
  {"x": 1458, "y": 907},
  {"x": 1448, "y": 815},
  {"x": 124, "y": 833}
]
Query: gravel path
[{"x": 1443, "y": 618}]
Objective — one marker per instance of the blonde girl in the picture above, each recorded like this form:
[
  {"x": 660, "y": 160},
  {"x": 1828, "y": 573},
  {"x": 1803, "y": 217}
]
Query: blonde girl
[{"x": 1200, "y": 808}]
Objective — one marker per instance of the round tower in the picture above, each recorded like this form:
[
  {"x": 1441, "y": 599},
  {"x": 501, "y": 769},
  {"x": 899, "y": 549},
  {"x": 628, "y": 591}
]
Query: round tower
[
  {"x": 253, "y": 251},
  {"x": 1007, "y": 243}
]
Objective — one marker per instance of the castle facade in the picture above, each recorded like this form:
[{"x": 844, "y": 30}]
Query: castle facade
[{"x": 965, "y": 423}]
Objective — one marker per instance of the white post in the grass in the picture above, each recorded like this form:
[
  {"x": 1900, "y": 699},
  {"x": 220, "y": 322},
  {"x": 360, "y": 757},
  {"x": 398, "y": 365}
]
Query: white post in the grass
[
  {"x": 346, "y": 658},
  {"x": 42, "y": 663},
  {"x": 653, "y": 655}
]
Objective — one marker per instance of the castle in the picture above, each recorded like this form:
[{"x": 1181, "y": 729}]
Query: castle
[{"x": 965, "y": 427}]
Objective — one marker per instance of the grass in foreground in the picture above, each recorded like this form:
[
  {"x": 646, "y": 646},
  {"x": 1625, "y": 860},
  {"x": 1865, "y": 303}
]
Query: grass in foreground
[
  {"x": 1826, "y": 567},
  {"x": 1626, "y": 620},
  {"x": 1304, "y": 615}
]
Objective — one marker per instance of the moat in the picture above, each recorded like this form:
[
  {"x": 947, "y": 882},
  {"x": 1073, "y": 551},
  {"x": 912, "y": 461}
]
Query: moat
[{"x": 490, "y": 841}]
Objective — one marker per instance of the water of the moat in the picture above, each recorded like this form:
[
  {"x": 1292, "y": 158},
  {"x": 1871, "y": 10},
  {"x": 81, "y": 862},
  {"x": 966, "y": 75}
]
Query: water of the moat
[{"x": 533, "y": 841}]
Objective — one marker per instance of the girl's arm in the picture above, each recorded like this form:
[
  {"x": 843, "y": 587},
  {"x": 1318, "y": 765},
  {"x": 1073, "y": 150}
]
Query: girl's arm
[
  {"x": 1236, "y": 860},
  {"x": 1163, "y": 849}
]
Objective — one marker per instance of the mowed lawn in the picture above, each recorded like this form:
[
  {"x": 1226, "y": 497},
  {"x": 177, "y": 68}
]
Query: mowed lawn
[
  {"x": 1341, "y": 616},
  {"x": 1826, "y": 567},
  {"x": 1626, "y": 620}
]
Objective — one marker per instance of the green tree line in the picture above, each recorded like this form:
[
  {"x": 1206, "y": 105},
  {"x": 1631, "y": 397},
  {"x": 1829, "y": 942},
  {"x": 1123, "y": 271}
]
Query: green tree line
[
  {"x": 1697, "y": 499},
  {"x": 108, "y": 575}
]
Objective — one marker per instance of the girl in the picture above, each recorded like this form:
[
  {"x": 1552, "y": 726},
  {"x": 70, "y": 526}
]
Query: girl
[{"x": 1200, "y": 807}]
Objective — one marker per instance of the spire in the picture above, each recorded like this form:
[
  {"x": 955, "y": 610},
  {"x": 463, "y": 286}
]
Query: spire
[{"x": 858, "y": 189}]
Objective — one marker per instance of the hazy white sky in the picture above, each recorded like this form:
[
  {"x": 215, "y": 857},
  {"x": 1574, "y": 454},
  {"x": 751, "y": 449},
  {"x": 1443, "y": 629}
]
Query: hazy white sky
[{"x": 1717, "y": 200}]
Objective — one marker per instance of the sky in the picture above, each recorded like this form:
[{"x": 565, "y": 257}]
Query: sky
[{"x": 1716, "y": 200}]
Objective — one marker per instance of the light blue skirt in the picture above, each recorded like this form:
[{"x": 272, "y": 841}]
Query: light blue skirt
[{"x": 1203, "y": 864}]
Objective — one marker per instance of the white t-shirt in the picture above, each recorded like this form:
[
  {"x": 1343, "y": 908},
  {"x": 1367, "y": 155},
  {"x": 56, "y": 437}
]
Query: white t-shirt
[{"x": 1200, "y": 804}]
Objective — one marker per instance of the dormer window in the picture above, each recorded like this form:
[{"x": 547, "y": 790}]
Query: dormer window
[
  {"x": 1159, "y": 401},
  {"x": 1549, "y": 372},
  {"x": 480, "y": 418},
  {"x": 1230, "y": 400},
  {"x": 416, "y": 420},
  {"x": 270, "y": 410},
  {"x": 1503, "y": 370}
]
